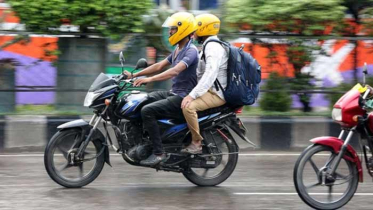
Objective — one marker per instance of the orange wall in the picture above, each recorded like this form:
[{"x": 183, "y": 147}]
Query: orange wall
[{"x": 35, "y": 48}]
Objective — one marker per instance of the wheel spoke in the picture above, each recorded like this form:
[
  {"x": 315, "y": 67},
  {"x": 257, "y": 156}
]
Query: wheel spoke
[
  {"x": 65, "y": 166},
  {"x": 313, "y": 185},
  {"x": 314, "y": 166},
  {"x": 342, "y": 176},
  {"x": 76, "y": 140},
  {"x": 81, "y": 170},
  {"x": 64, "y": 152},
  {"x": 205, "y": 172},
  {"x": 330, "y": 191}
]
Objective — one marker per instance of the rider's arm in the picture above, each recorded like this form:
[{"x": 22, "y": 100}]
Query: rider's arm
[
  {"x": 214, "y": 55},
  {"x": 190, "y": 58},
  {"x": 153, "y": 68},
  {"x": 172, "y": 72}
]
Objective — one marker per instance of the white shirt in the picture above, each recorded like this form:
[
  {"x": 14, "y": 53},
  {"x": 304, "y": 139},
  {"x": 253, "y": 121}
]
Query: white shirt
[{"x": 215, "y": 67}]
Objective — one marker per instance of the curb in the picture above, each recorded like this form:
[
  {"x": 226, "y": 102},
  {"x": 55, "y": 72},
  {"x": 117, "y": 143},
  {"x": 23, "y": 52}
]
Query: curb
[
  {"x": 32, "y": 133},
  {"x": 2, "y": 132}
]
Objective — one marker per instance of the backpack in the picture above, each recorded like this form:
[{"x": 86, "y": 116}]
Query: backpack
[{"x": 243, "y": 76}]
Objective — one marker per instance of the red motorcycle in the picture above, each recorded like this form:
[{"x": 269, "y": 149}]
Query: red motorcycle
[{"x": 327, "y": 173}]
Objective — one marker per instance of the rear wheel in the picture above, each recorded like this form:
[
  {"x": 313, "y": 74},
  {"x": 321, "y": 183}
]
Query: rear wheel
[
  {"x": 220, "y": 147},
  {"x": 59, "y": 152},
  {"x": 313, "y": 183}
]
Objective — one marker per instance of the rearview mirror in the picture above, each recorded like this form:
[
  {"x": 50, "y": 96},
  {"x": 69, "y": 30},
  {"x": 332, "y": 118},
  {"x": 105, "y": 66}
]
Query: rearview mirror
[
  {"x": 141, "y": 63},
  {"x": 365, "y": 72},
  {"x": 121, "y": 58}
]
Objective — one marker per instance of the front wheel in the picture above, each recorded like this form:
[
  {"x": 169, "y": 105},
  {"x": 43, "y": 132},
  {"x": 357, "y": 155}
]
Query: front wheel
[
  {"x": 225, "y": 152},
  {"x": 316, "y": 187},
  {"x": 60, "y": 152}
]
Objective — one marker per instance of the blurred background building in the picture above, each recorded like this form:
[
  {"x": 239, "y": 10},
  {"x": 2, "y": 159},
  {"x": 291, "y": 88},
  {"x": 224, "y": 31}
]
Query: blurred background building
[{"x": 39, "y": 76}]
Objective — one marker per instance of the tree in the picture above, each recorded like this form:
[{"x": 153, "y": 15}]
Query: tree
[
  {"x": 291, "y": 17},
  {"x": 301, "y": 17},
  {"x": 107, "y": 17},
  {"x": 275, "y": 101}
]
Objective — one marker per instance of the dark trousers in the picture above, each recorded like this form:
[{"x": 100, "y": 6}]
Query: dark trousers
[{"x": 163, "y": 104}]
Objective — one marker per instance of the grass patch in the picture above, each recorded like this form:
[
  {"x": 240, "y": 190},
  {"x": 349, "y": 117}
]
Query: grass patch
[{"x": 43, "y": 110}]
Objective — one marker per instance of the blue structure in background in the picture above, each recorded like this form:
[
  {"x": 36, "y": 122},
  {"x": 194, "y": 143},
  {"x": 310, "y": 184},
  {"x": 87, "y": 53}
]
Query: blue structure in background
[{"x": 208, "y": 4}]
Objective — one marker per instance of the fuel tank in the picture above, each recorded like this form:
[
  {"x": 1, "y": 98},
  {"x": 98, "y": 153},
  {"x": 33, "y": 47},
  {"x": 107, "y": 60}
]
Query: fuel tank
[{"x": 130, "y": 104}]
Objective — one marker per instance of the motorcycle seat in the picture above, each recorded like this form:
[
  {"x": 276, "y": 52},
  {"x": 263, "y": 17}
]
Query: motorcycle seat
[{"x": 223, "y": 109}]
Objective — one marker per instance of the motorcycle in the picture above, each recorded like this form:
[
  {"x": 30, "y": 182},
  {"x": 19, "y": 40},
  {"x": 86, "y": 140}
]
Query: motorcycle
[
  {"x": 327, "y": 173},
  {"x": 76, "y": 154}
]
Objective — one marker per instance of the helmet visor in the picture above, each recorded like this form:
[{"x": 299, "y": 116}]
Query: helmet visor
[{"x": 169, "y": 22}]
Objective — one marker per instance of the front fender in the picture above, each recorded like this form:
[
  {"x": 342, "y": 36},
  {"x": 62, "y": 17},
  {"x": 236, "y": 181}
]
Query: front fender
[
  {"x": 74, "y": 124},
  {"x": 86, "y": 127},
  {"x": 336, "y": 145}
]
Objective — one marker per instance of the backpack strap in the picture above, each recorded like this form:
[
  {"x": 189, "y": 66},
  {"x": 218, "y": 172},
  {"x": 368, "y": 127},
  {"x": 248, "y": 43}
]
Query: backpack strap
[
  {"x": 211, "y": 40},
  {"x": 216, "y": 83}
]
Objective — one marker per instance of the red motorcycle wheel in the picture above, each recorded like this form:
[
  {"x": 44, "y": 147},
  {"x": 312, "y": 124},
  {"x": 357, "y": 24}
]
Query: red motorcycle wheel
[{"x": 313, "y": 184}]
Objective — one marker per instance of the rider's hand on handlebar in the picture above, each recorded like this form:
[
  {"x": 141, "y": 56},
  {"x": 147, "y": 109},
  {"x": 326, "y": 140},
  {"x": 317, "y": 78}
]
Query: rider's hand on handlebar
[
  {"x": 129, "y": 75},
  {"x": 141, "y": 81}
]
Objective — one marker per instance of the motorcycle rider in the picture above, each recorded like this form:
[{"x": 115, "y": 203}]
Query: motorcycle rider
[
  {"x": 184, "y": 61},
  {"x": 206, "y": 95}
]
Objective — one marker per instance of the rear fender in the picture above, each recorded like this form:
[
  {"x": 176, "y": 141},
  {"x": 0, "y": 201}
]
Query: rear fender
[
  {"x": 336, "y": 145},
  {"x": 86, "y": 127},
  {"x": 239, "y": 133}
]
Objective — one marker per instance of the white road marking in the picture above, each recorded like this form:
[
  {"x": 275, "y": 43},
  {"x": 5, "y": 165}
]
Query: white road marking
[
  {"x": 253, "y": 154},
  {"x": 160, "y": 184},
  {"x": 274, "y": 194}
]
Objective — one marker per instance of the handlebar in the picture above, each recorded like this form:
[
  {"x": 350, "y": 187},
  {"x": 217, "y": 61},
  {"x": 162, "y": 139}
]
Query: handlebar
[
  {"x": 123, "y": 78},
  {"x": 366, "y": 93}
]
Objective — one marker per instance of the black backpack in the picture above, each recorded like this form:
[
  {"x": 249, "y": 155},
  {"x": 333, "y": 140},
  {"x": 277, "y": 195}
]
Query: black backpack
[{"x": 243, "y": 76}]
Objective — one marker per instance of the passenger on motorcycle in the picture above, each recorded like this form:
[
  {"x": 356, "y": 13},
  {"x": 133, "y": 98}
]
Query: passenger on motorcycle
[
  {"x": 205, "y": 95},
  {"x": 184, "y": 61}
]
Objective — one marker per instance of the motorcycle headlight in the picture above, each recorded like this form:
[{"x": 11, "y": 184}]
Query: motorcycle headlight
[
  {"x": 337, "y": 114},
  {"x": 89, "y": 98}
]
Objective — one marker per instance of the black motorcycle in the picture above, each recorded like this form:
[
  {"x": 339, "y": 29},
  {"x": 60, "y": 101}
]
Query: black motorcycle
[{"x": 76, "y": 154}]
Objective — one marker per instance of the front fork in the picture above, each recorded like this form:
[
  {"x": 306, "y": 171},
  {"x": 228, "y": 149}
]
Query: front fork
[
  {"x": 95, "y": 121},
  {"x": 346, "y": 142},
  {"x": 343, "y": 149}
]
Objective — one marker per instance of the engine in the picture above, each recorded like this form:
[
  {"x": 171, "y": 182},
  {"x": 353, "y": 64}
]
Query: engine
[
  {"x": 140, "y": 152},
  {"x": 132, "y": 141},
  {"x": 129, "y": 134}
]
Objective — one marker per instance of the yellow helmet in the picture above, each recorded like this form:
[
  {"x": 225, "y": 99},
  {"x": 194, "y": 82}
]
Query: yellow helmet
[
  {"x": 208, "y": 25},
  {"x": 185, "y": 24}
]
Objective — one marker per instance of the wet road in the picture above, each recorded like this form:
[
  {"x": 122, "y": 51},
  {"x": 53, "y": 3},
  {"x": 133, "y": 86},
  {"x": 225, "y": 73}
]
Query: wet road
[{"x": 262, "y": 180}]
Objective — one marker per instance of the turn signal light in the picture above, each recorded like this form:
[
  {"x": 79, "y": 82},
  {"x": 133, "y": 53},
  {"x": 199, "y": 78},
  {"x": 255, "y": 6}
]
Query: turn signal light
[
  {"x": 107, "y": 102},
  {"x": 356, "y": 118}
]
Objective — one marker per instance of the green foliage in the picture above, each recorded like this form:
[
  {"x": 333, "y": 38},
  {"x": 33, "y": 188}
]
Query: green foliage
[
  {"x": 299, "y": 55},
  {"x": 107, "y": 17},
  {"x": 301, "y": 17},
  {"x": 153, "y": 25},
  {"x": 295, "y": 16},
  {"x": 279, "y": 100},
  {"x": 302, "y": 82}
]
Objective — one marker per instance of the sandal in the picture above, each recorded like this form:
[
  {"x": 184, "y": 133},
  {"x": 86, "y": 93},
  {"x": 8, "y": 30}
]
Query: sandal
[{"x": 192, "y": 149}]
